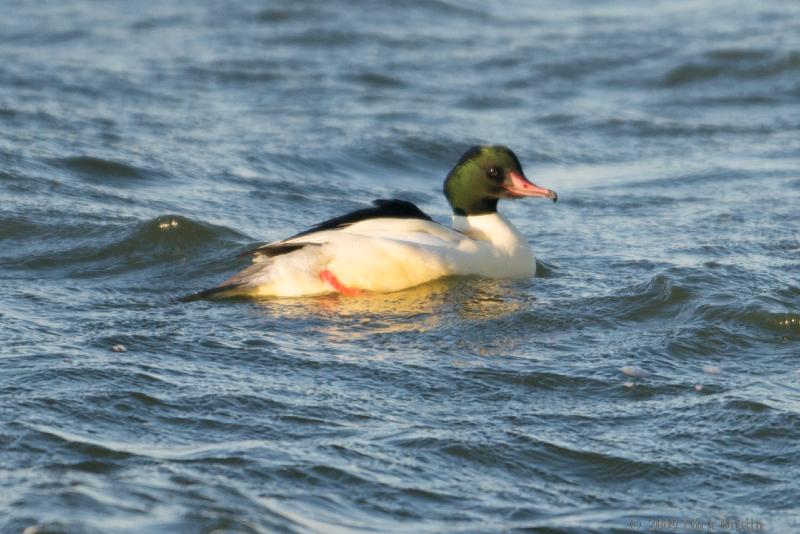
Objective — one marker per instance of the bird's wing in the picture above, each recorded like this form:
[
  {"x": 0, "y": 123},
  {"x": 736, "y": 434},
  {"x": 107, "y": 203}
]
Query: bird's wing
[{"x": 390, "y": 218}]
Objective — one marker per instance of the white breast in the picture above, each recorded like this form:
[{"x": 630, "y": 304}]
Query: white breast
[{"x": 502, "y": 251}]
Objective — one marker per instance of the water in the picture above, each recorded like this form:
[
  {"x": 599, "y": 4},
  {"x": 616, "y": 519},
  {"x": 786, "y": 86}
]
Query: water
[{"x": 650, "y": 372}]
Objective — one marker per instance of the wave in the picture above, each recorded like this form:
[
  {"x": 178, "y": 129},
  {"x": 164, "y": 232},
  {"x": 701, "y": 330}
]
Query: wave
[
  {"x": 711, "y": 319},
  {"x": 46, "y": 38},
  {"x": 151, "y": 23},
  {"x": 376, "y": 80},
  {"x": 490, "y": 102},
  {"x": 23, "y": 117},
  {"x": 545, "y": 458},
  {"x": 160, "y": 240},
  {"x": 755, "y": 315},
  {"x": 538, "y": 380},
  {"x": 661, "y": 296},
  {"x": 234, "y": 72},
  {"x": 222, "y": 452},
  {"x": 101, "y": 170},
  {"x": 742, "y": 64},
  {"x": 287, "y": 15},
  {"x": 318, "y": 11}
]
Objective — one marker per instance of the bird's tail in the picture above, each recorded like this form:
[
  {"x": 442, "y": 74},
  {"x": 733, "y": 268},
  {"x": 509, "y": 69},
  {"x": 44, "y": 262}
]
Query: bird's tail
[{"x": 222, "y": 291}]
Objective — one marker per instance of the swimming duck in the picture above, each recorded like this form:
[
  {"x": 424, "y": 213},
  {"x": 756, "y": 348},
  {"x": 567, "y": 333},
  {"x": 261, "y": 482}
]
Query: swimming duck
[{"x": 393, "y": 245}]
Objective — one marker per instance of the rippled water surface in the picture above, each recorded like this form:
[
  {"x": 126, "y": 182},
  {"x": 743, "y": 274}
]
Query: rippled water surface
[{"x": 650, "y": 371}]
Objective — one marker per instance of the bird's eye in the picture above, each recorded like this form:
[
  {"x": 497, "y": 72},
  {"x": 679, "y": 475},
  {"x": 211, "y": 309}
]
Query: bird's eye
[{"x": 493, "y": 172}]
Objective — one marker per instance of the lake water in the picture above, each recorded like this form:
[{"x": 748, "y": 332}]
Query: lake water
[{"x": 650, "y": 372}]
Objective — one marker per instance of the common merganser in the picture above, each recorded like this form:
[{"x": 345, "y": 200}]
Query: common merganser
[{"x": 394, "y": 245}]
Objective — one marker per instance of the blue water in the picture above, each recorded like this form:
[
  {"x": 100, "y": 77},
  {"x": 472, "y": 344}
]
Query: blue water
[{"x": 649, "y": 373}]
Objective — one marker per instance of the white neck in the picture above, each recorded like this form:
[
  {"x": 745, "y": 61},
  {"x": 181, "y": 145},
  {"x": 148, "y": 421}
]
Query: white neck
[{"x": 491, "y": 227}]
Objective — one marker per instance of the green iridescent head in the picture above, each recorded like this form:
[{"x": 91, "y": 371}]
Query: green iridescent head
[{"x": 484, "y": 175}]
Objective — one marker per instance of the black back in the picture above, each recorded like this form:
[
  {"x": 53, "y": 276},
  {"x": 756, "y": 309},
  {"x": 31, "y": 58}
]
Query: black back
[{"x": 382, "y": 208}]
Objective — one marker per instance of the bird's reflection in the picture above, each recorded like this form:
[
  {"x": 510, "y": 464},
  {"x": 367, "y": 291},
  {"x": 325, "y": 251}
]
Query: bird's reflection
[{"x": 418, "y": 309}]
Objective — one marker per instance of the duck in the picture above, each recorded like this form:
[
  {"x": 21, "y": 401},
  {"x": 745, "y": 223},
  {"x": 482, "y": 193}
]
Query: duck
[{"x": 393, "y": 245}]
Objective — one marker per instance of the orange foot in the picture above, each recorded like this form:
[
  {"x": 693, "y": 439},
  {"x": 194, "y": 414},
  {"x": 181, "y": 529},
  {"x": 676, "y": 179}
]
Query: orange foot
[{"x": 334, "y": 282}]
